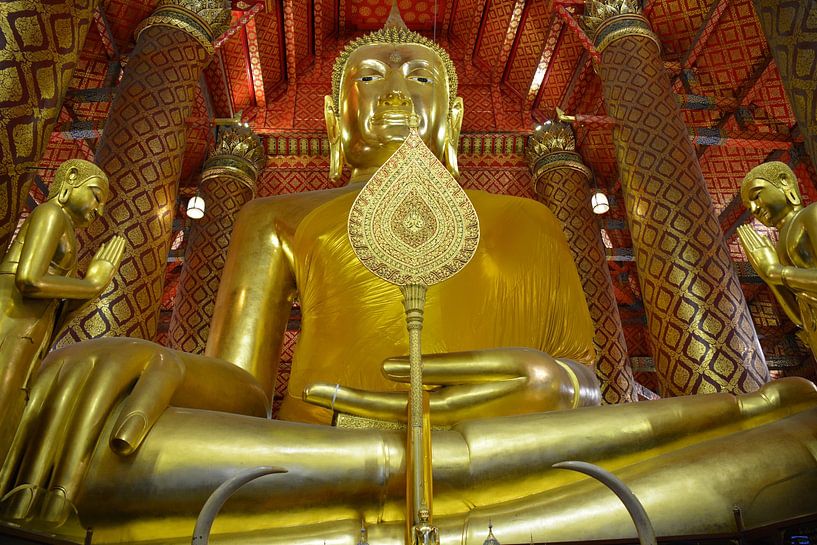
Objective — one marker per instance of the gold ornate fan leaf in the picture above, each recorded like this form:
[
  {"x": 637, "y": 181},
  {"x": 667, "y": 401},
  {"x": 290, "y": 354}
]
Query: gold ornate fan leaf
[{"x": 412, "y": 223}]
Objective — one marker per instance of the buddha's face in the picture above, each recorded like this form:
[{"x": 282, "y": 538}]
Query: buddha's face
[
  {"x": 383, "y": 87},
  {"x": 767, "y": 202},
  {"x": 86, "y": 201}
]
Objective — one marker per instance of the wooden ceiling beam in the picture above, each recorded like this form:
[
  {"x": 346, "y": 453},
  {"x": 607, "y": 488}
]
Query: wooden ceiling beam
[
  {"x": 105, "y": 34},
  {"x": 449, "y": 10},
  {"x": 238, "y": 24},
  {"x": 256, "y": 75},
  {"x": 550, "y": 52},
  {"x": 741, "y": 93},
  {"x": 713, "y": 17},
  {"x": 472, "y": 38},
  {"x": 511, "y": 37},
  {"x": 289, "y": 40}
]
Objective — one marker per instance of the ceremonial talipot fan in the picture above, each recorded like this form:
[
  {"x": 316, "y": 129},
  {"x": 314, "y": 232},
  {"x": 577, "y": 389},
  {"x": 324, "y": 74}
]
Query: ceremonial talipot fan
[{"x": 414, "y": 226}]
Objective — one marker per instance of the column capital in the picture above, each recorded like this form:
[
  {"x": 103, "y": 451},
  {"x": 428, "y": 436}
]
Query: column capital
[
  {"x": 553, "y": 146},
  {"x": 204, "y": 20},
  {"x": 238, "y": 153},
  {"x": 605, "y": 21}
]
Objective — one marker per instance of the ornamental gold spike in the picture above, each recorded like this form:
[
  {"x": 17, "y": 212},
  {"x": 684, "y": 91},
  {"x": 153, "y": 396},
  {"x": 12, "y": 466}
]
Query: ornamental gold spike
[
  {"x": 598, "y": 11},
  {"x": 242, "y": 143},
  {"x": 549, "y": 137},
  {"x": 216, "y": 13},
  {"x": 414, "y": 226}
]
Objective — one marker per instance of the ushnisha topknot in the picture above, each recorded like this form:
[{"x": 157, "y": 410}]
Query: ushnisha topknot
[{"x": 393, "y": 32}]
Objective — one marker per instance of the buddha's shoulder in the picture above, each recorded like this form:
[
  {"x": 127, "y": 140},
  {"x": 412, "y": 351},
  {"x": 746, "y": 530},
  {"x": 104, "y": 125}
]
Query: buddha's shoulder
[
  {"x": 510, "y": 208},
  {"x": 291, "y": 207}
]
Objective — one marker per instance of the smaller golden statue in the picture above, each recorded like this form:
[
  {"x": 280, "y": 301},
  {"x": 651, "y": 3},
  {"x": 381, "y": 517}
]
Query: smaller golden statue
[
  {"x": 39, "y": 271},
  {"x": 424, "y": 532},
  {"x": 769, "y": 192}
]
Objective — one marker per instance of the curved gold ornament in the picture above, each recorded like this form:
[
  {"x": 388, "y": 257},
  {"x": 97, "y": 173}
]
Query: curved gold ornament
[{"x": 412, "y": 223}]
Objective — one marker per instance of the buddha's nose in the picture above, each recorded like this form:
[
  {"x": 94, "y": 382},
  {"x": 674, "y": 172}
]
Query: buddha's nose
[{"x": 395, "y": 99}]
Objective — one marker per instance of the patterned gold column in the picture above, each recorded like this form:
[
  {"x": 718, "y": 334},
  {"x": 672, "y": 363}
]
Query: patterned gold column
[
  {"x": 700, "y": 329},
  {"x": 227, "y": 183},
  {"x": 791, "y": 30},
  {"x": 40, "y": 45},
  {"x": 561, "y": 179},
  {"x": 141, "y": 150}
]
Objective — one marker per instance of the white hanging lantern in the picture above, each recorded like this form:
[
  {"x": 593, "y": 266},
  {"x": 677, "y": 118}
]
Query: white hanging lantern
[
  {"x": 599, "y": 203},
  {"x": 195, "y": 208}
]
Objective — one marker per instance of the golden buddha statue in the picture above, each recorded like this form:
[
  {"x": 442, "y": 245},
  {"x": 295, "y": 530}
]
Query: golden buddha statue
[
  {"x": 39, "y": 272},
  {"x": 174, "y": 426},
  {"x": 769, "y": 191}
]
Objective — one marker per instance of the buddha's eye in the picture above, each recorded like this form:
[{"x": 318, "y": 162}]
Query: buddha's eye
[
  {"x": 422, "y": 79},
  {"x": 370, "y": 77}
]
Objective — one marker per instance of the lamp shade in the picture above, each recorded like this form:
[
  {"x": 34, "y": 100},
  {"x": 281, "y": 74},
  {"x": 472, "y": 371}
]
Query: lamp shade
[
  {"x": 195, "y": 208},
  {"x": 598, "y": 201}
]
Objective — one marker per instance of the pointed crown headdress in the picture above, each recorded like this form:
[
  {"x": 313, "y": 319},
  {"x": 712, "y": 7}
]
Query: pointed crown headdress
[{"x": 395, "y": 32}]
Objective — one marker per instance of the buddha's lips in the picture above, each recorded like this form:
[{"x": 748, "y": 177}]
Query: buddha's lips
[{"x": 391, "y": 117}]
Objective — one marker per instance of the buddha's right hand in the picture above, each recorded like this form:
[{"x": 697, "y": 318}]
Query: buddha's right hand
[
  {"x": 81, "y": 386},
  {"x": 474, "y": 384}
]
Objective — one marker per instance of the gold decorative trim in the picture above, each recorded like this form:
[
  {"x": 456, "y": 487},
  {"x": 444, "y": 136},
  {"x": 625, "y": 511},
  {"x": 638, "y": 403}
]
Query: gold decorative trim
[
  {"x": 353, "y": 422},
  {"x": 195, "y": 33},
  {"x": 234, "y": 170},
  {"x": 558, "y": 161},
  {"x": 202, "y": 19},
  {"x": 622, "y": 26},
  {"x": 597, "y": 12}
]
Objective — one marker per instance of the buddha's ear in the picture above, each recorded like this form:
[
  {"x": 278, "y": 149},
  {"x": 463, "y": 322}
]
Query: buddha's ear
[
  {"x": 333, "y": 133},
  {"x": 68, "y": 185},
  {"x": 453, "y": 141},
  {"x": 789, "y": 184}
]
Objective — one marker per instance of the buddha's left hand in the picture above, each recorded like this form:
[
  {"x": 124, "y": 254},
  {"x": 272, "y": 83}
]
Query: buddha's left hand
[{"x": 466, "y": 385}]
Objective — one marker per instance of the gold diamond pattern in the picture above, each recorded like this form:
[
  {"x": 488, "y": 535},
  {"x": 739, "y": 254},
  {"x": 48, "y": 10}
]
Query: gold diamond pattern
[
  {"x": 565, "y": 190},
  {"x": 699, "y": 324}
]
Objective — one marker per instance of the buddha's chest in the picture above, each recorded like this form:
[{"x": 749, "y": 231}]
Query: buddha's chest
[
  {"x": 796, "y": 247},
  {"x": 64, "y": 260}
]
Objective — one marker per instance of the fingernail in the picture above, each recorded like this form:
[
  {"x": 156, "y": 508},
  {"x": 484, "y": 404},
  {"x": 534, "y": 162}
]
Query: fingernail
[
  {"x": 129, "y": 433},
  {"x": 56, "y": 508},
  {"x": 19, "y": 504}
]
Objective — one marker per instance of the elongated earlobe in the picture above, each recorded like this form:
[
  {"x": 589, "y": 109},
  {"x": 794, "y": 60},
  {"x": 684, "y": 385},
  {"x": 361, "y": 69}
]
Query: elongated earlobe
[
  {"x": 453, "y": 140},
  {"x": 64, "y": 195},
  {"x": 333, "y": 134},
  {"x": 792, "y": 195},
  {"x": 450, "y": 159}
]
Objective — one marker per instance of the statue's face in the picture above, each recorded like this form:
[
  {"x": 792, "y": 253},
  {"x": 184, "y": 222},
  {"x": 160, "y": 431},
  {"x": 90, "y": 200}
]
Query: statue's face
[
  {"x": 767, "y": 202},
  {"x": 86, "y": 202},
  {"x": 382, "y": 86}
]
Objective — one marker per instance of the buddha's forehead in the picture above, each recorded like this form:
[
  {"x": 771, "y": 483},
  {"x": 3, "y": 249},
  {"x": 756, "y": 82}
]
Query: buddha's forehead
[
  {"x": 755, "y": 183},
  {"x": 94, "y": 181},
  {"x": 393, "y": 55}
]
